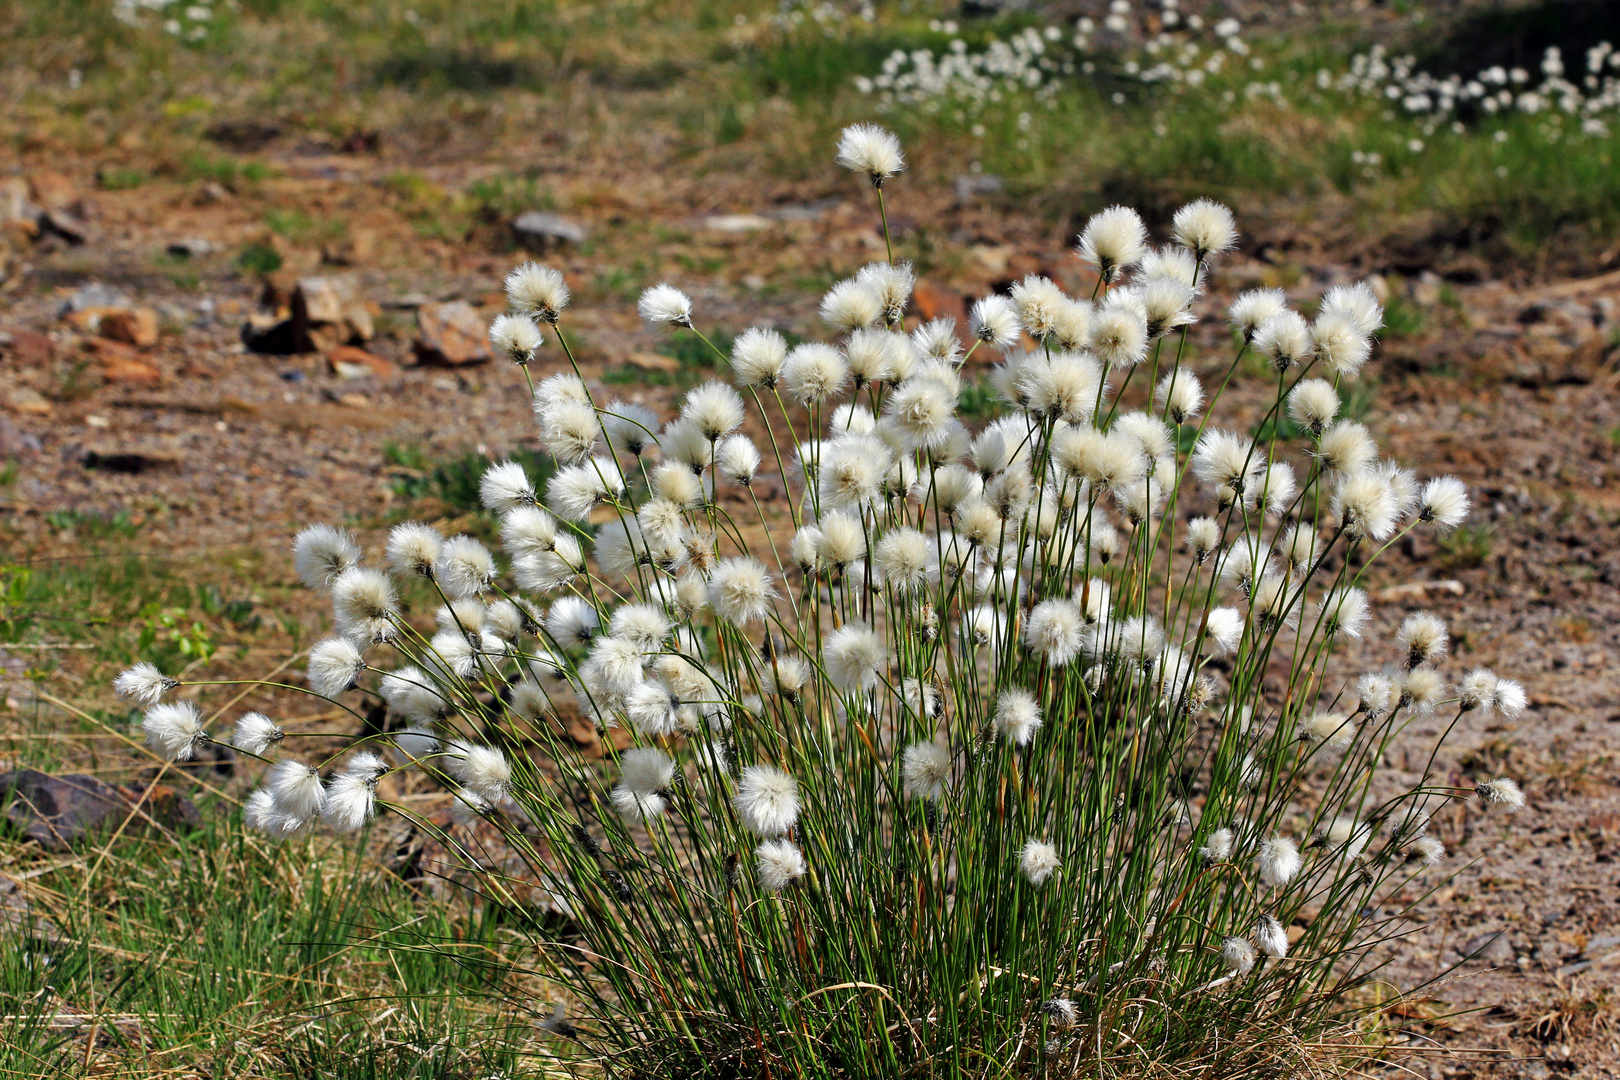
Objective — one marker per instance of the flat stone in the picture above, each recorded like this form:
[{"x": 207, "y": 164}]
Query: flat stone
[
  {"x": 28, "y": 401},
  {"x": 452, "y": 333},
  {"x": 16, "y": 202},
  {"x": 331, "y": 311},
  {"x": 970, "y": 186},
  {"x": 58, "y": 811},
  {"x": 813, "y": 211},
  {"x": 122, "y": 363},
  {"x": 540, "y": 231},
  {"x": 191, "y": 247},
  {"x": 94, "y": 295},
  {"x": 351, "y": 362},
  {"x": 1492, "y": 948},
  {"x": 73, "y": 229},
  {"x": 133, "y": 326},
  {"x": 651, "y": 361},
  {"x": 737, "y": 223},
  {"x": 933, "y": 302},
  {"x": 26, "y": 348}
]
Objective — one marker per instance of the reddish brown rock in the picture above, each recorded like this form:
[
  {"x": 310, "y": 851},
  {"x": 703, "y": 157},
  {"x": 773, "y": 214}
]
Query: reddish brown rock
[
  {"x": 353, "y": 362},
  {"x": 134, "y": 326},
  {"x": 452, "y": 333},
  {"x": 25, "y": 348}
]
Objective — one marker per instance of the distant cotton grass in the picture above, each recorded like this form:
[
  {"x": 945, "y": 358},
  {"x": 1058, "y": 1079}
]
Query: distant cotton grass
[{"x": 808, "y": 672}]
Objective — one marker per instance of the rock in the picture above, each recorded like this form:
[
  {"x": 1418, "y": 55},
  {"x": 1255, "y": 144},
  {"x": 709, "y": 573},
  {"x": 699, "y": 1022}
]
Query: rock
[
  {"x": 970, "y": 186},
  {"x": 53, "y": 190},
  {"x": 121, "y": 363},
  {"x": 813, "y": 211},
  {"x": 16, "y": 203},
  {"x": 332, "y": 305},
  {"x": 452, "y": 333},
  {"x": 133, "y": 326},
  {"x": 350, "y": 362},
  {"x": 25, "y": 348},
  {"x": 94, "y": 295},
  {"x": 57, "y": 811},
  {"x": 1492, "y": 948},
  {"x": 28, "y": 401},
  {"x": 68, "y": 226},
  {"x": 737, "y": 223},
  {"x": 933, "y": 302},
  {"x": 537, "y": 230},
  {"x": 651, "y": 361},
  {"x": 1419, "y": 591},
  {"x": 358, "y": 247},
  {"x": 192, "y": 247},
  {"x": 273, "y": 336},
  {"x": 15, "y": 442}
]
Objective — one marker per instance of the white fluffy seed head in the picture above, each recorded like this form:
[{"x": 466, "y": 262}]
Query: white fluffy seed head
[
  {"x": 363, "y": 605},
  {"x": 1277, "y": 862},
  {"x": 1223, "y": 631},
  {"x": 1284, "y": 339},
  {"x": 871, "y": 151},
  {"x": 1313, "y": 404},
  {"x": 1017, "y": 716},
  {"x": 767, "y": 800},
  {"x": 334, "y": 665},
  {"x": 854, "y": 658},
  {"x": 994, "y": 321},
  {"x": 646, "y": 775},
  {"x": 1179, "y": 396},
  {"x": 937, "y": 340},
  {"x": 1501, "y": 794},
  {"x": 1055, "y": 630},
  {"x": 1272, "y": 938},
  {"x": 892, "y": 282},
  {"x": 465, "y": 568},
  {"x": 321, "y": 553},
  {"x": 1217, "y": 846},
  {"x": 1444, "y": 501},
  {"x": 296, "y": 789},
  {"x": 757, "y": 357},
  {"x": 1119, "y": 334},
  {"x": 143, "y": 684},
  {"x": 1205, "y": 228},
  {"x": 630, "y": 428},
  {"x": 1339, "y": 344},
  {"x": 1364, "y": 506},
  {"x": 814, "y": 373},
  {"x": 1112, "y": 240},
  {"x": 1238, "y": 955},
  {"x": 1039, "y": 303},
  {"x": 851, "y": 305},
  {"x": 1343, "y": 610},
  {"x": 413, "y": 548},
  {"x": 1422, "y": 639},
  {"x": 1167, "y": 303},
  {"x": 1356, "y": 303},
  {"x": 174, "y": 730},
  {"x": 737, "y": 459},
  {"x": 1330, "y": 731},
  {"x": 715, "y": 409},
  {"x": 779, "y": 863},
  {"x": 505, "y": 486},
  {"x": 664, "y": 303},
  {"x": 1203, "y": 538},
  {"x": 925, "y": 768},
  {"x": 537, "y": 291},
  {"x": 1253, "y": 309},
  {"x": 1038, "y": 861},
  {"x": 257, "y": 734},
  {"x": 740, "y": 590},
  {"x": 483, "y": 769},
  {"x": 515, "y": 337}
]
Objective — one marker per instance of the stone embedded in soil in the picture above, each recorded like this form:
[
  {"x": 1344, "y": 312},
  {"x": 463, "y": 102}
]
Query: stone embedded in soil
[
  {"x": 537, "y": 230},
  {"x": 121, "y": 363},
  {"x": 133, "y": 326},
  {"x": 1492, "y": 948},
  {"x": 352, "y": 362},
  {"x": 191, "y": 247},
  {"x": 94, "y": 295},
  {"x": 452, "y": 333},
  {"x": 25, "y": 348},
  {"x": 58, "y": 811}
]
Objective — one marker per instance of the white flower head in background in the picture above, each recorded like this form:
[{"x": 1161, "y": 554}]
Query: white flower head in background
[
  {"x": 871, "y": 151},
  {"x": 664, "y": 303}
]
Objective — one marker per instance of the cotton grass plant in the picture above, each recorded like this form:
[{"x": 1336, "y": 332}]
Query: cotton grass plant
[{"x": 1000, "y": 752}]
